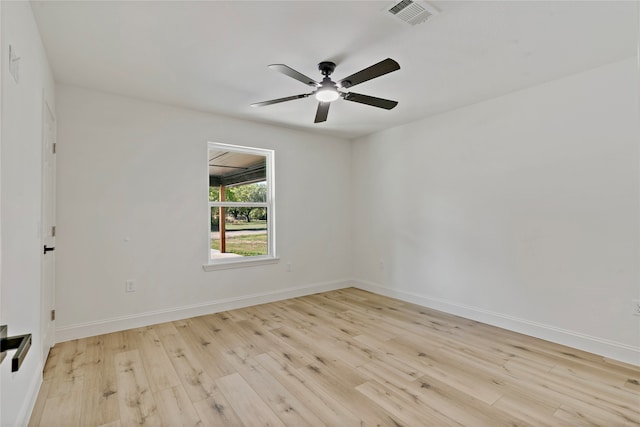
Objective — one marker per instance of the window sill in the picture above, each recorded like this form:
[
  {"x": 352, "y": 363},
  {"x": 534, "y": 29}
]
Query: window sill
[{"x": 239, "y": 263}]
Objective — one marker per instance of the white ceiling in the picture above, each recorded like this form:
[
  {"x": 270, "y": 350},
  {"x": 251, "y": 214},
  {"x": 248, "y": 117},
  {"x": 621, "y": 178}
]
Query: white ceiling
[{"x": 213, "y": 55}]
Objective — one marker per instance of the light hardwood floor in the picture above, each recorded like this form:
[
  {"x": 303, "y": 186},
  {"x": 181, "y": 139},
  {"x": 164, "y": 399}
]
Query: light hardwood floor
[{"x": 342, "y": 358}]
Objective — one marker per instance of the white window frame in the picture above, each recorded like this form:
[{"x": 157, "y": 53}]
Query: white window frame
[{"x": 236, "y": 262}]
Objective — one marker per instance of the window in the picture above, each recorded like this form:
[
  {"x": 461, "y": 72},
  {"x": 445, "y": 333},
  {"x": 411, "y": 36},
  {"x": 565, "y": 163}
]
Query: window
[{"x": 241, "y": 207}]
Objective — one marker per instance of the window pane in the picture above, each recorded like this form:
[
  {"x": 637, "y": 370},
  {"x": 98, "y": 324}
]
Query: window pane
[
  {"x": 255, "y": 192},
  {"x": 215, "y": 219},
  {"x": 229, "y": 168},
  {"x": 214, "y": 194},
  {"x": 244, "y": 232}
]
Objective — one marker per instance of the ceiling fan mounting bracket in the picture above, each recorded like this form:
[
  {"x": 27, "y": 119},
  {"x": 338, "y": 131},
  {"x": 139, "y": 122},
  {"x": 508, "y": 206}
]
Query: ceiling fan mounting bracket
[{"x": 326, "y": 68}]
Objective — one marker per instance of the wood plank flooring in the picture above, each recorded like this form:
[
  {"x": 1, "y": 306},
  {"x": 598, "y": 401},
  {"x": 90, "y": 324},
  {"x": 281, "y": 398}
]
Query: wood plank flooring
[{"x": 341, "y": 358}]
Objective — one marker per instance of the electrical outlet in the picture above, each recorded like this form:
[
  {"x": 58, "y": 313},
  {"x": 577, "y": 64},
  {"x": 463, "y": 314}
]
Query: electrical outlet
[
  {"x": 289, "y": 267},
  {"x": 381, "y": 264},
  {"x": 636, "y": 307},
  {"x": 130, "y": 286}
]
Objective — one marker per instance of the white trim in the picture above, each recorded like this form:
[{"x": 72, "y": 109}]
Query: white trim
[
  {"x": 238, "y": 204},
  {"x": 24, "y": 414},
  {"x": 613, "y": 350},
  {"x": 239, "y": 262},
  {"x": 89, "y": 329},
  {"x": 240, "y": 148},
  {"x": 47, "y": 330}
]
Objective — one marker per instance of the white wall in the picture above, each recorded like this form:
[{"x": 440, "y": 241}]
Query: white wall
[
  {"x": 520, "y": 211},
  {"x": 21, "y": 204},
  {"x": 138, "y": 170}
]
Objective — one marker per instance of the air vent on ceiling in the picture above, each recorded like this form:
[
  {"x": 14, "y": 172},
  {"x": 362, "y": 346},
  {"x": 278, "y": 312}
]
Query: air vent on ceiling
[{"x": 411, "y": 12}]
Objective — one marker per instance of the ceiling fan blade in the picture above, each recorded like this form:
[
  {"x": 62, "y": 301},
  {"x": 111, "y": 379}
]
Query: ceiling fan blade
[
  {"x": 376, "y": 70},
  {"x": 370, "y": 100},
  {"x": 275, "y": 101},
  {"x": 322, "y": 112},
  {"x": 288, "y": 71}
]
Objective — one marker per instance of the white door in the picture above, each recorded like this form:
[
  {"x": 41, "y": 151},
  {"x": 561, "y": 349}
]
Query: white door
[{"x": 48, "y": 229}]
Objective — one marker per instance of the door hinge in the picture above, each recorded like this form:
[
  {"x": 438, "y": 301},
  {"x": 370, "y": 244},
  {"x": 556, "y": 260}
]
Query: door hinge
[
  {"x": 53, "y": 315},
  {"x": 54, "y": 147},
  {"x": 53, "y": 231}
]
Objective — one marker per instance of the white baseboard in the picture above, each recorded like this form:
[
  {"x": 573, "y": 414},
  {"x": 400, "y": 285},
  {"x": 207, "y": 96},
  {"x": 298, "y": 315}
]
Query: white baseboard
[
  {"x": 89, "y": 329},
  {"x": 613, "y": 350},
  {"x": 24, "y": 414}
]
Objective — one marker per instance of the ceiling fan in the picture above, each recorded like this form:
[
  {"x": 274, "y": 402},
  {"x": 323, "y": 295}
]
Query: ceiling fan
[{"x": 328, "y": 91}]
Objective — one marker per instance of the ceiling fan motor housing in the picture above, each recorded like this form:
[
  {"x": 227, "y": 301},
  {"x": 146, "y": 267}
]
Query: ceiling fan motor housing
[{"x": 326, "y": 68}]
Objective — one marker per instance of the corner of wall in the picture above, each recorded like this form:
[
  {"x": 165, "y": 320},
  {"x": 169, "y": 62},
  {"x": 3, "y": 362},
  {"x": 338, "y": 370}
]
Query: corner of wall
[{"x": 613, "y": 350}]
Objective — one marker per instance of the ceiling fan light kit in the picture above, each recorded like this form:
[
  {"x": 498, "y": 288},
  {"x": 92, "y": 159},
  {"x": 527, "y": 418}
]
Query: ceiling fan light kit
[
  {"x": 329, "y": 91},
  {"x": 327, "y": 94}
]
